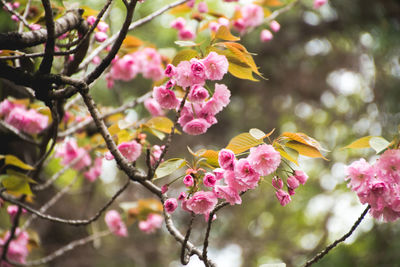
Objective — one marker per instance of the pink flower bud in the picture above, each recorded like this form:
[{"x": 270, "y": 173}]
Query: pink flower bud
[
  {"x": 102, "y": 26},
  {"x": 275, "y": 26},
  {"x": 182, "y": 196},
  {"x": 170, "y": 205},
  {"x": 266, "y": 36},
  {"x": 283, "y": 197},
  {"x": 300, "y": 176},
  {"x": 277, "y": 183},
  {"x": 178, "y": 23},
  {"x": 14, "y": 18},
  {"x": 115, "y": 223},
  {"x": 170, "y": 70},
  {"x": 164, "y": 189},
  {"x": 100, "y": 37},
  {"x": 226, "y": 159},
  {"x": 292, "y": 182},
  {"x": 188, "y": 180},
  {"x": 15, "y": 5},
  {"x": 91, "y": 20},
  {"x": 186, "y": 34}
]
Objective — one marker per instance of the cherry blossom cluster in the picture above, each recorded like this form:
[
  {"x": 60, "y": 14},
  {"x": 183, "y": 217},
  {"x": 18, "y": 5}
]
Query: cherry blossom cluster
[
  {"x": 14, "y": 6},
  {"x": 101, "y": 29},
  {"x": 292, "y": 182},
  {"x": 18, "y": 248},
  {"x": 69, "y": 151},
  {"x": 199, "y": 111},
  {"x": 378, "y": 184},
  {"x": 227, "y": 182},
  {"x": 26, "y": 120},
  {"x": 146, "y": 61}
]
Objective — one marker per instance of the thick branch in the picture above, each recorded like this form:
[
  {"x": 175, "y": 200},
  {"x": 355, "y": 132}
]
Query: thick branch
[
  {"x": 14, "y": 41},
  {"x": 338, "y": 241},
  {"x": 47, "y": 62}
]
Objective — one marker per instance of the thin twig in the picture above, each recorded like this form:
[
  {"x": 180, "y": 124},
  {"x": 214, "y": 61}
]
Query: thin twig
[
  {"x": 134, "y": 25},
  {"x": 280, "y": 11},
  {"x": 83, "y": 124},
  {"x": 12, "y": 233},
  {"x": 63, "y": 250},
  {"x": 65, "y": 221},
  {"x": 338, "y": 241},
  {"x": 21, "y": 18}
]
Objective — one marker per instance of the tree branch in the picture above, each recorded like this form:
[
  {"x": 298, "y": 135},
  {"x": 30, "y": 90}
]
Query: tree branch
[
  {"x": 16, "y": 41},
  {"x": 21, "y": 18},
  {"x": 185, "y": 257},
  {"x": 338, "y": 241},
  {"x": 47, "y": 62},
  {"x": 65, "y": 221}
]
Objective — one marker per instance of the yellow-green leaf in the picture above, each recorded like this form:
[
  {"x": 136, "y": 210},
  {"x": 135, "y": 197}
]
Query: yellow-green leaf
[
  {"x": 158, "y": 134},
  {"x": 212, "y": 157},
  {"x": 13, "y": 160},
  {"x": 243, "y": 142},
  {"x": 224, "y": 33},
  {"x": 184, "y": 55},
  {"x": 169, "y": 166},
  {"x": 162, "y": 124},
  {"x": 360, "y": 143},
  {"x": 16, "y": 185},
  {"x": 305, "y": 150}
]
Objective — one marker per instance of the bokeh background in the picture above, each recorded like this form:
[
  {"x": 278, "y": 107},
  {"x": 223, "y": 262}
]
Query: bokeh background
[{"x": 334, "y": 74}]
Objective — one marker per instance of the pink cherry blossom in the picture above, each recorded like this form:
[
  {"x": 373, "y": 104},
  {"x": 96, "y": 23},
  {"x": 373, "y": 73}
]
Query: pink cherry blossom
[
  {"x": 202, "y": 202},
  {"x": 301, "y": 176},
  {"x": 69, "y": 151},
  {"x": 29, "y": 121},
  {"x": 253, "y": 15},
  {"x": 239, "y": 25},
  {"x": 275, "y": 26},
  {"x": 153, "y": 222},
  {"x": 153, "y": 107},
  {"x": 214, "y": 26},
  {"x": 388, "y": 165},
  {"x": 165, "y": 97},
  {"x": 115, "y": 223},
  {"x": 188, "y": 180},
  {"x": 197, "y": 93},
  {"x": 182, "y": 196},
  {"x": 196, "y": 126},
  {"x": 244, "y": 178},
  {"x": 91, "y": 20},
  {"x": 184, "y": 75},
  {"x": 125, "y": 68},
  {"x": 360, "y": 174},
  {"x": 18, "y": 247},
  {"x": 156, "y": 152},
  {"x": 130, "y": 150},
  {"x": 170, "y": 205},
  {"x": 226, "y": 159},
  {"x": 319, "y": 3},
  {"x": 283, "y": 197},
  {"x": 6, "y": 106},
  {"x": 229, "y": 194},
  {"x": 186, "y": 34},
  {"x": 179, "y": 23},
  {"x": 219, "y": 173},
  {"x": 292, "y": 182},
  {"x": 264, "y": 159},
  {"x": 198, "y": 68},
  {"x": 93, "y": 173},
  {"x": 209, "y": 180},
  {"x": 216, "y": 66},
  {"x": 202, "y": 7},
  {"x": 170, "y": 70},
  {"x": 266, "y": 36}
]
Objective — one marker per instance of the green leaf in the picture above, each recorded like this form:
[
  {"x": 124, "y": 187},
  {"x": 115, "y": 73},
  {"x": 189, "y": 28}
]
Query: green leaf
[
  {"x": 224, "y": 33},
  {"x": 169, "y": 166},
  {"x": 186, "y": 43},
  {"x": 184, "y": 55},
  {"x": 13, "y": 160},
  {"x": 287, "y": 153},
  {"x": 360, "y": 143},
  {"x": 378, "y": 143},
  {"x": 243, "y": 142},
  {"x": 16, "y": 183}
]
